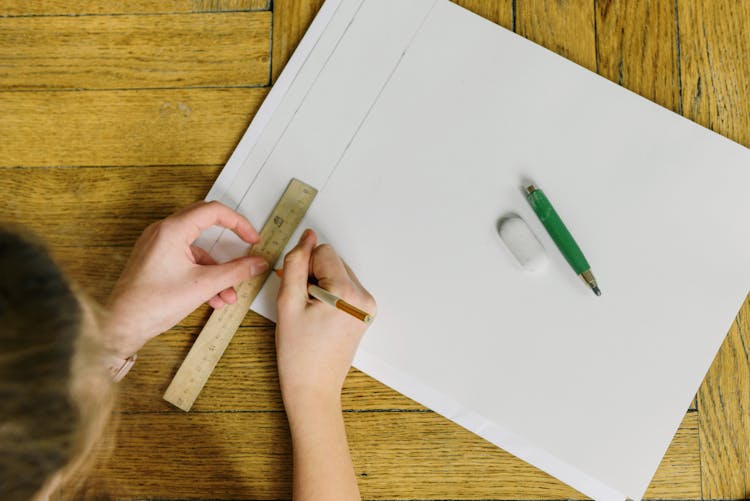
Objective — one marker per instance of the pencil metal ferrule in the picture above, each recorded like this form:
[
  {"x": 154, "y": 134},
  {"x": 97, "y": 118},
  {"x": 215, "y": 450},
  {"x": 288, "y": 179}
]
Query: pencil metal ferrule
[{"x": 589, "y": 280}]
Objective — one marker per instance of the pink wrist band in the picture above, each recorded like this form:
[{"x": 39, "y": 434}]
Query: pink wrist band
[{"x": 119, "y": 373}]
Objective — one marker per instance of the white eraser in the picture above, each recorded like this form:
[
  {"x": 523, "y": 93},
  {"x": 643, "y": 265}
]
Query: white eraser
[{"x": 522, "y": 243}]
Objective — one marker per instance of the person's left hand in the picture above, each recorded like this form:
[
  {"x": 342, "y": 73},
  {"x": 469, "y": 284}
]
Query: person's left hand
[{"x": 167, "y": 277}]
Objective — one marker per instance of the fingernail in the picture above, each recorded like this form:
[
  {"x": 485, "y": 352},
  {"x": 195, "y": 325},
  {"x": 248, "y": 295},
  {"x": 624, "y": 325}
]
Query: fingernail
[
  {"x": 261, "y": 267},
  {"x": 305, "y": 235}
]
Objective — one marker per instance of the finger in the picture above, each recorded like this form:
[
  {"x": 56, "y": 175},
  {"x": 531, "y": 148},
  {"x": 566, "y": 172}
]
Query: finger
[
  {"x": 202, "y": 215},
  {"x": 352, "y": 276},
  {"x": 329, "y": 269},
  {"x": 296, "y": 269},
  {"x": 214, "y": 279},
  {"x": 201, "y": 256},
  {"x": 216, "y": 303},
  {"x": 372, "y": 306},
  {"x": 229, "y": 295}
]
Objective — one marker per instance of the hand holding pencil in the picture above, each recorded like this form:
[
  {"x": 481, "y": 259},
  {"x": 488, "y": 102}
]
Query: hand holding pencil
[
  {"x": 315, "y": 346},
  {"x": 316, "y": 341},
  {"x": 323, "y": 295}
]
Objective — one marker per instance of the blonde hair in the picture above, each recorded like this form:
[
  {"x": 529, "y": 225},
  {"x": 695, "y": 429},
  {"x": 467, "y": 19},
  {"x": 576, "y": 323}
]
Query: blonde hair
[{"x": 57, "y": 396}]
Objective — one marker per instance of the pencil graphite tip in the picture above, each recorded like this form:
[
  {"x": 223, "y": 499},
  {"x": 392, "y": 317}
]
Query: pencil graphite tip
[{"x": 596, "y": 290}]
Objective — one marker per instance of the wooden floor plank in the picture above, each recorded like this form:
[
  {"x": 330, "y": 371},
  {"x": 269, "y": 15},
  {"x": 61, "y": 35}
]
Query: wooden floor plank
[
  {"x": 244, "y": 380},
  {"x": 566, "y": 28},
  {"x": 397, "y": 455},
  {"x": 715, "y": 75},
  {"x": 94, "y": 270},
  {"x": 229, "y": 5},
  {"x": 291, "y": 19},
  {"x": 416, "y": 455},
  {"x": 90, "y": 218},
  {"x": 498, "y": 11},
  {"x": 83, "y": 7},
  {"x": 125, "y": 52},
  {"x": 724, "y": 403},
  {"x": 104, "y": 128},
  {"x": 714, "y": 48},
  {"x": 99, "y": 207},
  {"x": 637, "y": 48},
  {"x": 678, "y": 475}
]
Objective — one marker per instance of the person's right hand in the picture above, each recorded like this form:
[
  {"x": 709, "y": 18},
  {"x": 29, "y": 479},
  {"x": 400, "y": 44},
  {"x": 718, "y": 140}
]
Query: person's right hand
[
  {"x": 316, "y": 342},
  {"x": 315, "y": 346}
]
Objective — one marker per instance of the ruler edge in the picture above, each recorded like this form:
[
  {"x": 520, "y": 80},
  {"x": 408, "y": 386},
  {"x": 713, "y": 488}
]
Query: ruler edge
[
  {"x": 293, "y": 184},
  {"x": 185, "y": 363}
]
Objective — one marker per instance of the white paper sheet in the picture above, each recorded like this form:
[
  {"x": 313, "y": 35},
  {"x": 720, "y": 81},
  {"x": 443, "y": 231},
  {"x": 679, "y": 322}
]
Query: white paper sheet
[{"x": 419, "y": 123}]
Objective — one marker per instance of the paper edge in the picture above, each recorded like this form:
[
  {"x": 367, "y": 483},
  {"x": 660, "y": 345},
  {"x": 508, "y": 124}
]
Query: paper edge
[
  {"x": 479, "y": 425},
  {"x": 274, "y": 98},
  {"x": 370, "y": 364}
]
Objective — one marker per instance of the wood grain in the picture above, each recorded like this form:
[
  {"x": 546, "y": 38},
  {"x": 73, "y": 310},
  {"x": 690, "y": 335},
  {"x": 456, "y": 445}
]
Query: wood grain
[
  {"x": 714, "y": 48},
  {"x": 94, "y": 206},
  {"x": 498, "y": 11},
  {"x": 92, "y": 216},
  {"x": 291, "y": 19},
  {"x": 83, "y": 7},
  {"x": 397, "y": 455},
  {"x": 131, "y": 157},
  {"x": 245, "y": 379},
  {"x": 93, "y": 270},
  {"x": 103, "y": 128},
  {"x": 678, "y": 475},
  {"x": 135, "y": 51},
  {"x": 565, "y": 27},
  {"x": 636, "y": 46},
  {"x": 724, "y": 403}
]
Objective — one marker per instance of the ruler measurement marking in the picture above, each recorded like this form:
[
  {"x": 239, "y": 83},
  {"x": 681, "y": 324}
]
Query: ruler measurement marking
[{"x": 223, "y": 323}]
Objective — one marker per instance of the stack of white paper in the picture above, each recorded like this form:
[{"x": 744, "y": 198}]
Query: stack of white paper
[{"x": 419, "y": 123}]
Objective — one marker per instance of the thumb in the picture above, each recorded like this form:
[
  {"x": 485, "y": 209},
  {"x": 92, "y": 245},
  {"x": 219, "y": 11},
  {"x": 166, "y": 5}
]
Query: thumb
[{"x": 218, "y": 277}]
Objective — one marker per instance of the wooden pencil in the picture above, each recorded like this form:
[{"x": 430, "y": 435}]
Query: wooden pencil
[{"x": 327, "y": 297}]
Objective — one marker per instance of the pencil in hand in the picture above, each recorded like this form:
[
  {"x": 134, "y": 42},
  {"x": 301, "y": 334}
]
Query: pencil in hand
[{"x": 324, "y": 296}]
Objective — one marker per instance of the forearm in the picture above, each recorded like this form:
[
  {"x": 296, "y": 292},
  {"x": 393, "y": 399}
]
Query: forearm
[{"x": 323, "y": 468}]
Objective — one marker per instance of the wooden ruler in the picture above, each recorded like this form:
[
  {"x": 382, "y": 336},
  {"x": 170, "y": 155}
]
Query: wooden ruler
[{"x": 223, "y": 323}]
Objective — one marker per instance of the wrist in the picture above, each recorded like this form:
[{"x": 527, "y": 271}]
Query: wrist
[
  {"x": 309, "y": 405},
  {"x": 118, "y": 367},
  {"x": 119, "y": 347},
  {"x": 118, "y": 338}
]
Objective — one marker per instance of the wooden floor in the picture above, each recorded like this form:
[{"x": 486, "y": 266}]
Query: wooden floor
[{"x": 115, "y": 113}]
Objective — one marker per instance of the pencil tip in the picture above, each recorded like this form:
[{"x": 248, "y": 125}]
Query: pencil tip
[{"x": 597, "y": 291}]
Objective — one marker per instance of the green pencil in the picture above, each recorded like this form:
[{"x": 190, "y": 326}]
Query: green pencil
[{"x": 561, "y": 236}]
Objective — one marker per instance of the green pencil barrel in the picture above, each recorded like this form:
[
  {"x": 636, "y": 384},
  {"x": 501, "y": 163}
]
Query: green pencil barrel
[{"x": 557, "y": 230}]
